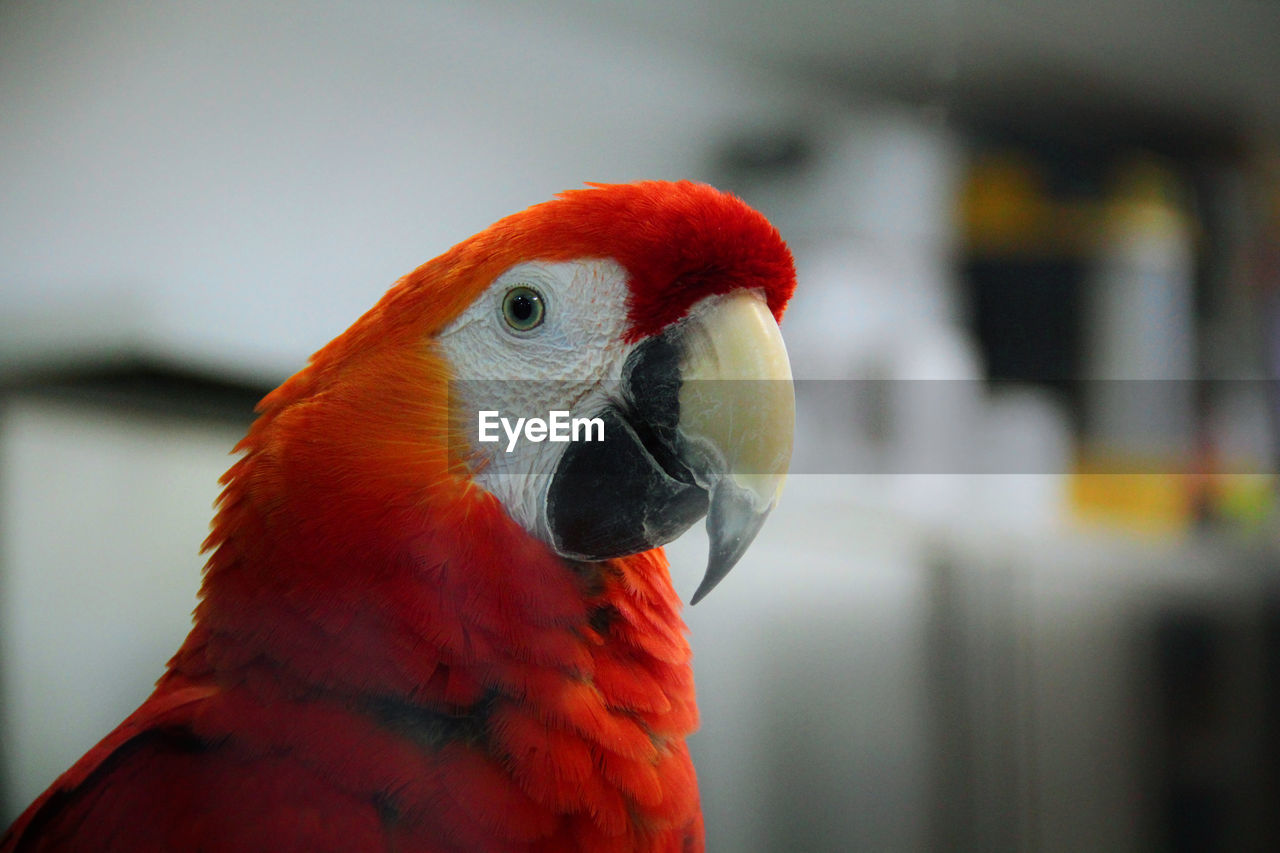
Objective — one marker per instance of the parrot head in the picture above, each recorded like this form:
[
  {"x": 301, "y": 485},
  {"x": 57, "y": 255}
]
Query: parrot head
[{"x": 647, "y": 310}]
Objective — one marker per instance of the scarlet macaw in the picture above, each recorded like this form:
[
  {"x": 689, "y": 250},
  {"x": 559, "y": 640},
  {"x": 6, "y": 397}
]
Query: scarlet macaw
[{"x": 412, "y": 639}]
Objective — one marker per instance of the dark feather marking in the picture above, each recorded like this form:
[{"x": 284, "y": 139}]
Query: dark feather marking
[
  {"x": 591, "y": 573},
  {"x": 431, "y": 728},
  {"x": 601, "y": 618},
  {"x": 389, "y": 814}
]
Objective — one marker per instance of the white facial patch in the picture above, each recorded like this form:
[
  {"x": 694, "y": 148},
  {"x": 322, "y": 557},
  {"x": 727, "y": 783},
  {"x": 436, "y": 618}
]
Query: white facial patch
[{"x": 570, "y": 362}]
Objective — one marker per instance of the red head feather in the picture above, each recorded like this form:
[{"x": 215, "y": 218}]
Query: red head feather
[{"x": 677, "y": 241}]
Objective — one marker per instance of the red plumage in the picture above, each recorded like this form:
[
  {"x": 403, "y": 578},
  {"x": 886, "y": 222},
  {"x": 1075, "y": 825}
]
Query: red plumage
[{"x": 382, "y": 658}]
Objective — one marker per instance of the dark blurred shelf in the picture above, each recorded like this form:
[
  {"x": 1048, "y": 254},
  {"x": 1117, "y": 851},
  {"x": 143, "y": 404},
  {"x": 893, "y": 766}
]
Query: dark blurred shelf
[{"x": 153, "y": 387}]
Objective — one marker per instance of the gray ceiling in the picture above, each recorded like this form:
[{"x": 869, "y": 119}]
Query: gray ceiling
[{"x": 1213, "y": 65}]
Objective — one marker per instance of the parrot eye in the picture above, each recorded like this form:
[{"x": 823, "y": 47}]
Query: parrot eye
[{"x": 523, "y": 308}]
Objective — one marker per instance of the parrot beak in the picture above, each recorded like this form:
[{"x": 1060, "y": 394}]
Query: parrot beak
[
  {"x": 703, "y": 425},
  {"x": 737, "y": 421}
]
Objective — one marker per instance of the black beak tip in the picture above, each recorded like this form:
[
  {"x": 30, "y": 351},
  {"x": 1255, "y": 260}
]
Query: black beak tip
[
  {"x": 718, "y": 566},
  {"x": 705, "y": 587},
  {"x": 732, "y": 524}
]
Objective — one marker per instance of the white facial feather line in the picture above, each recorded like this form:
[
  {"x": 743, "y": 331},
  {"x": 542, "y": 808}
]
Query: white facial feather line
[{"x": 569, "y": 363}]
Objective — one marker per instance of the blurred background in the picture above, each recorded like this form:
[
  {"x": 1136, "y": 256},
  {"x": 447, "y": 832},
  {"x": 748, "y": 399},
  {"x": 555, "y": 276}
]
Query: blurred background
[{"x": 1022, "y": 592}]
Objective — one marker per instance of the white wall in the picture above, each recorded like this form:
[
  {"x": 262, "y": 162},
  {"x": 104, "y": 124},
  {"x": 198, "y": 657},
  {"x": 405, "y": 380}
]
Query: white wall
[
  {"x": 233, "y": 183},
  {"x": 102, "y": 511}
]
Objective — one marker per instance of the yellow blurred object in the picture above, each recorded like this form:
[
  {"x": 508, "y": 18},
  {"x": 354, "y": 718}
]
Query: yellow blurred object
[
  {"x": 1005, "y": 208},
  {"x": 1137, "y": 495},
  {"x": 1155, "y": 503},
  {"x": 1003, "y": 202},
  {"x": 1147, "y": 196}
]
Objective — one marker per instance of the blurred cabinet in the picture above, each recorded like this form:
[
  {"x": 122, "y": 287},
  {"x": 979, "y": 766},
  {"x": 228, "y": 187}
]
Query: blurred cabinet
[{"x": 1106, "y": 694}]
